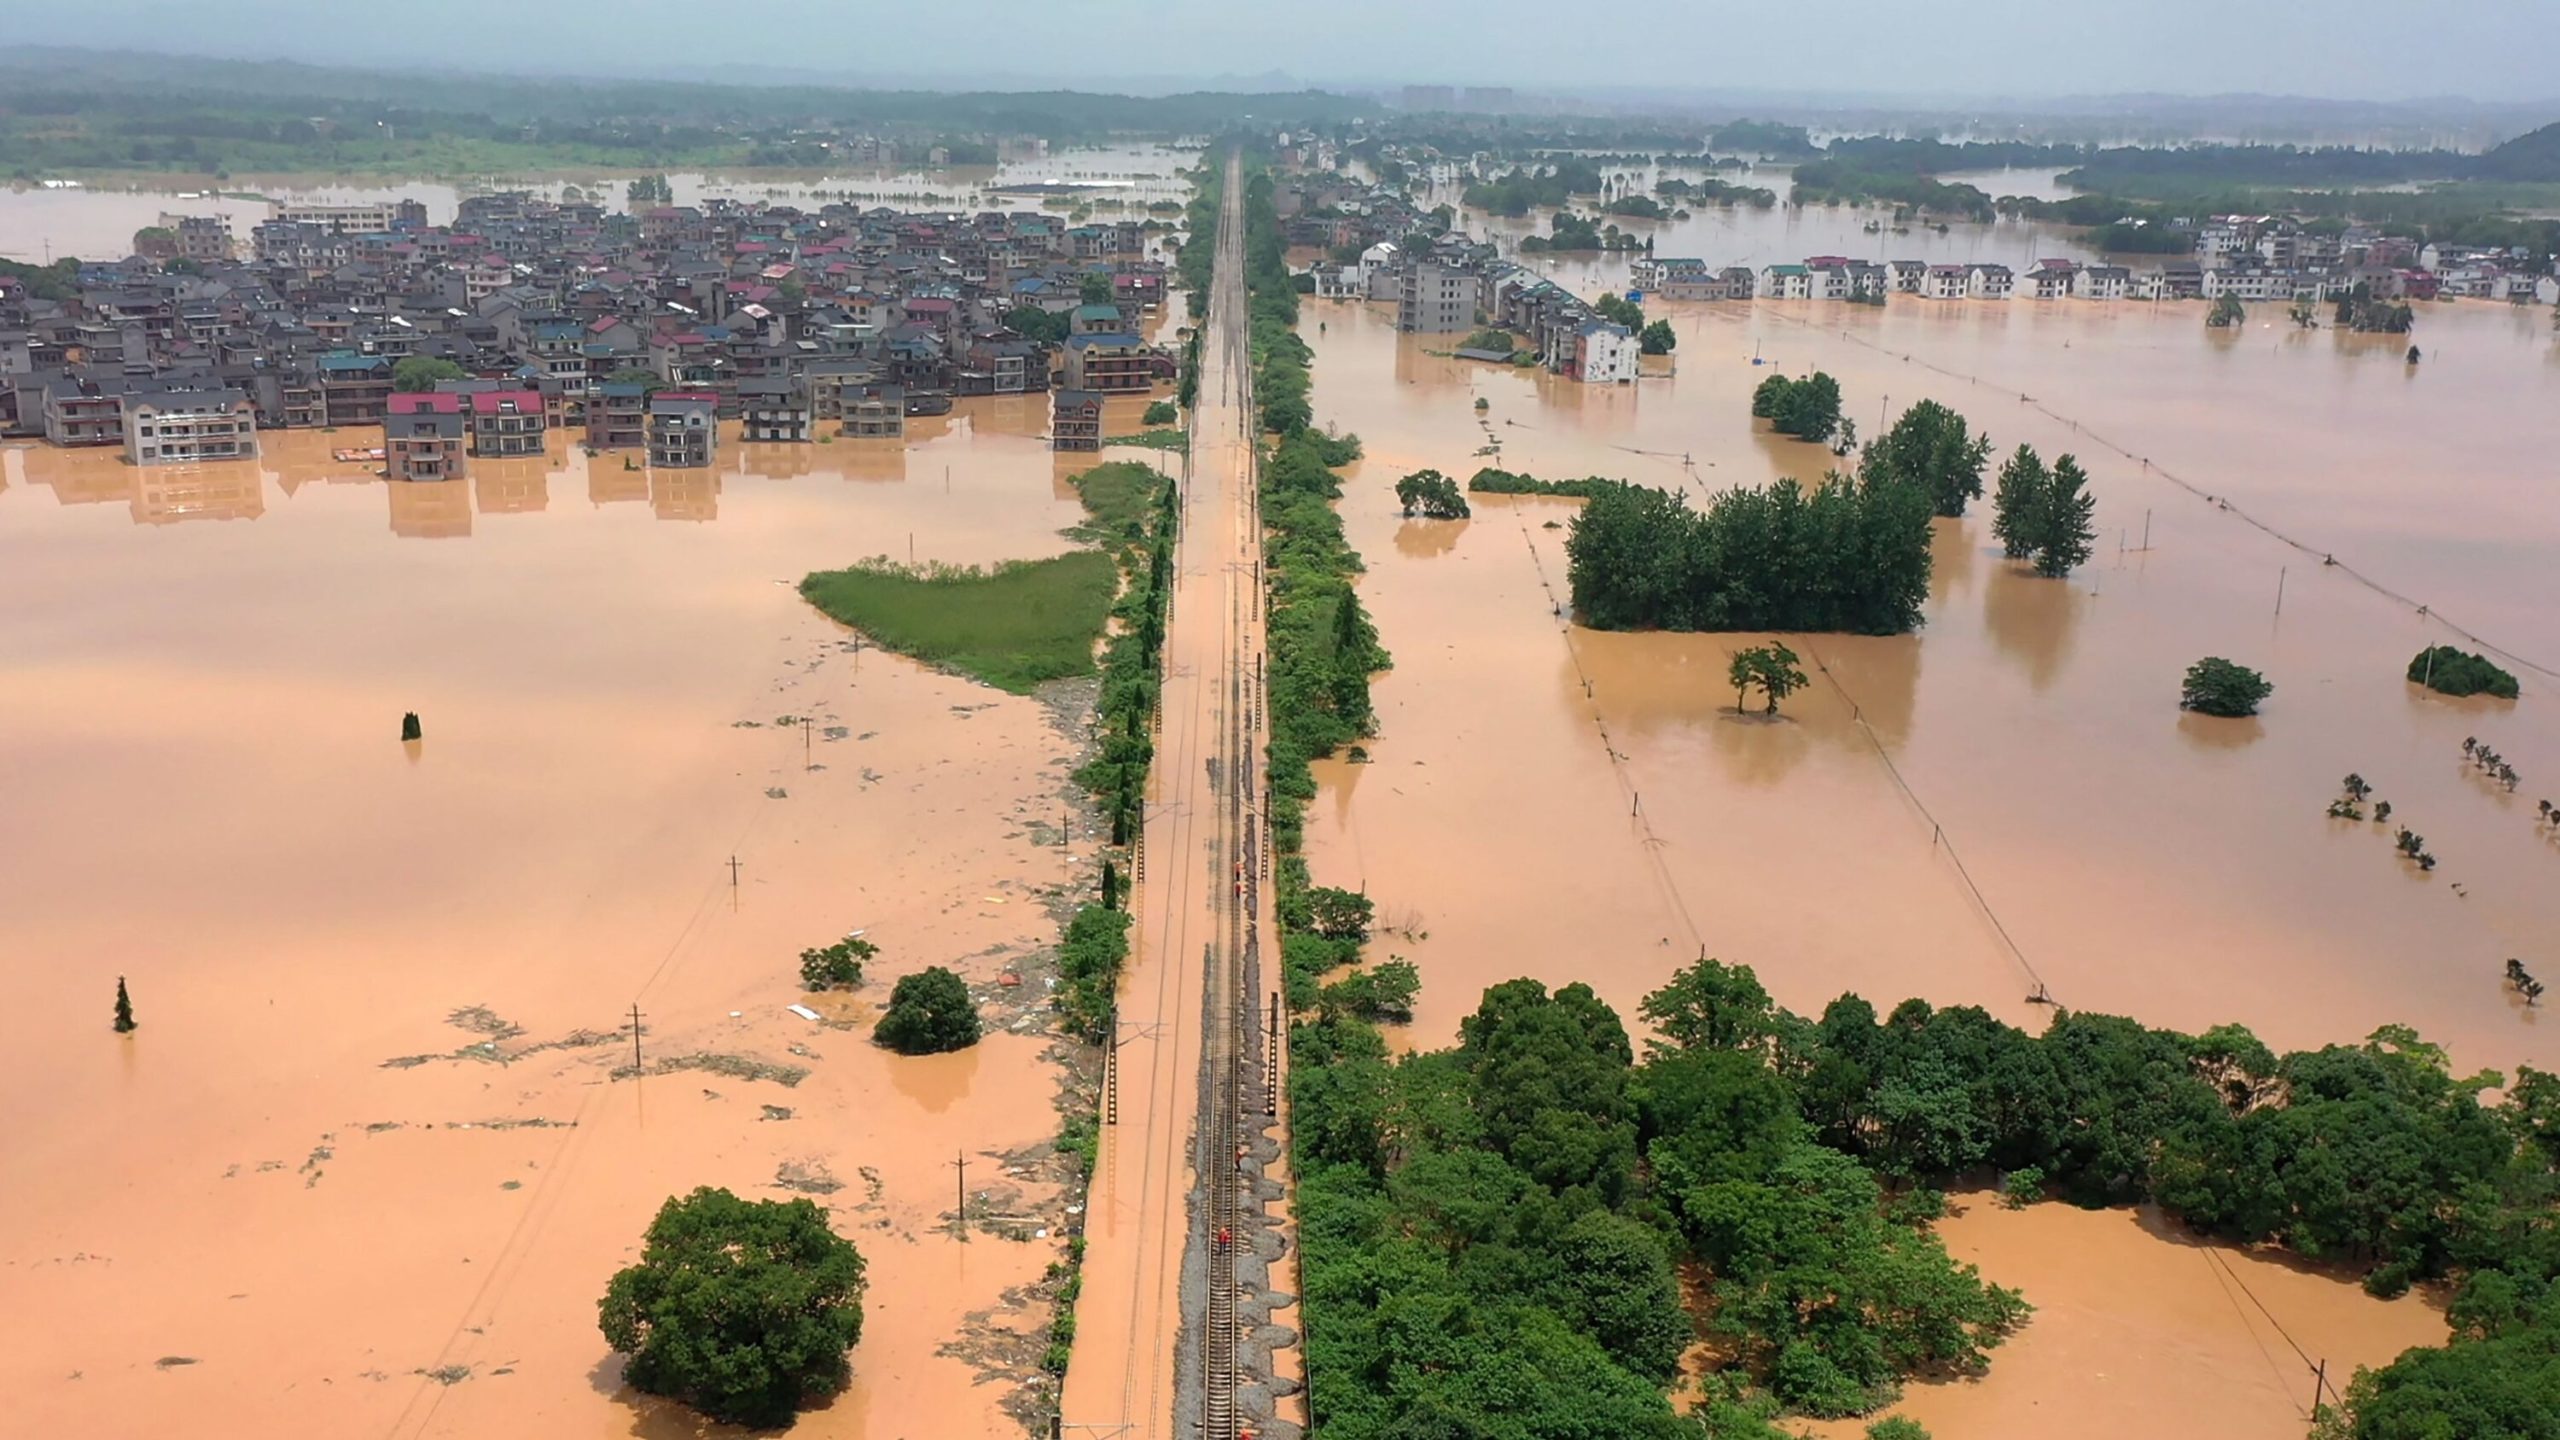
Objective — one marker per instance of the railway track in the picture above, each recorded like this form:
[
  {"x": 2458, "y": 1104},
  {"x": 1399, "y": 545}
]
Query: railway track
[{"x": 1227, "y": 1031}]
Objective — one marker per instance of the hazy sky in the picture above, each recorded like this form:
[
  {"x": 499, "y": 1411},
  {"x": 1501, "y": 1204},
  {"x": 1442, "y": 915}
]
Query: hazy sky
[{"x": 2360, "y": 49}]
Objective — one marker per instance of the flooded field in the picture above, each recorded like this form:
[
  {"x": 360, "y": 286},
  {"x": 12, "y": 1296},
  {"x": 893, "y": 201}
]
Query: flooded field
[
  {"x": 2010, "y": 797},
  {"x": 376, "y": 1147},
  {"x": 2137, "y": 1322},
  {"x": 97, "y": 220}
]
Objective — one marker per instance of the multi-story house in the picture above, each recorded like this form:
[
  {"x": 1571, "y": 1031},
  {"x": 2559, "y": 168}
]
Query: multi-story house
[
  {"x": 1437, "y": 299},
  {"x": 2049, "y": 279},
  {"x": 618, "y": 416},
  {"x": 1114, "y": 364},
  {"x": 354, "y": 387},
  {"x": 773, "y": 411},
  {"x": 174, "y": 427},
  {"x": 507, "y": 422},
  {"x": 1606, "y": 354},
  {"x": 1948, "y": 282},
  {"x": 85, "y": 410},
  {"x": 2102, "y": 282},
  {"x": 423, "y": 435},
  {"x": 205, "y": 239},
  {"x": 1906, "y": 277},
  {"x": 1075, "y": 420},
  {"x": 1990, "y": 282},
  {"x": 684, "y": 428},
  {"x": 873, "y": 411},
  {"x": 1786, "y": 282}
]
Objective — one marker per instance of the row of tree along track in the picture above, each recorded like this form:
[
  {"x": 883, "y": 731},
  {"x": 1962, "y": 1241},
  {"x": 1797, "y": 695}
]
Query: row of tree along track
[{"x": 1172, "y": 1324}]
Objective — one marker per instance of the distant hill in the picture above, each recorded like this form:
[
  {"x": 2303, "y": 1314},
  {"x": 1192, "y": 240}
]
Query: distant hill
[{"x": 2534, "y": 156}]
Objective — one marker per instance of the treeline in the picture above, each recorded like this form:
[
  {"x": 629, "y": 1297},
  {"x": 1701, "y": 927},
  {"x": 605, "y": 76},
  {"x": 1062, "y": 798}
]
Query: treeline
[
  {"x": 1845, "y": 555},
  {"x": 137, "y": 91},
  {"x": 1838, "y": 182},
  {"x": 1711, "y": 191},
  {"x": 1491, "y": 1230},
  {"x": 1491, "y": 481},
  {"x": 1517, "y": 191},
  {"x": 1321, "y": 645},
  {"x": 1132, "y": 674}
]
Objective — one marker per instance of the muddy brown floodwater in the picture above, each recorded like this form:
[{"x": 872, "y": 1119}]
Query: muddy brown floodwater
[
  {"x": 370, "y": 1158},
  {"x": 2010, "y": 796}
]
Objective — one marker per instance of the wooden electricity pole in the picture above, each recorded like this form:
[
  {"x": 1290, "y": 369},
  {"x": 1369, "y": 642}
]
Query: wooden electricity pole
[{"x": 635, "y": 1037}]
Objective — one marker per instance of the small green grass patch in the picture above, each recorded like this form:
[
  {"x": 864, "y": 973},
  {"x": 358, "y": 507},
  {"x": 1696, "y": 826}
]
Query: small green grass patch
[{"x": 1013, "y": 626}]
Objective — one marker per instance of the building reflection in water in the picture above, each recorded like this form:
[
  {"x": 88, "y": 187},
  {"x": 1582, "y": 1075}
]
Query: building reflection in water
[
  {"x": 511, "y": 487},
  {"x": 870, "y": 460},
  {"x": 775, "y": 461},
  {"x": 430, "y": 509},
  {"x": 167, "y": 494},
  {"x": 685, "y": 494},
  {"x": 613, "y": 479}
]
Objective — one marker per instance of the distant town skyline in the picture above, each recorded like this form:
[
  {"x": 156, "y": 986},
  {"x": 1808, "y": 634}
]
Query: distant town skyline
[{"x": 1978, "y": 49}]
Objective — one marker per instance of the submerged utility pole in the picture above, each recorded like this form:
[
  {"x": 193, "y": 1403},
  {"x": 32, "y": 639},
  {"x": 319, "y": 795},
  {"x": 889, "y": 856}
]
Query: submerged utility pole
[
  {"x": 635, "y": 1037},
  {"x": 960, "y": 1212}
]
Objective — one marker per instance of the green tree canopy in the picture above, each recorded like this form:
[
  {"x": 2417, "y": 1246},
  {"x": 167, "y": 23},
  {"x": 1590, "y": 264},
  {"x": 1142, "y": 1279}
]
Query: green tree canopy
[
  {"x": 2063, "y": 528},
  {"x": 1432, "y": 495},
  {"x": 1772, "y": 667},
  {"x": 1808, "y": 409},
  {"x": 1657, "y": 339},
  {"x": 742, "y": 1309},
  {"x": 1033, "y": 323},
  {"x": 424, "y": 372},
  {"x": 2215, "y": 686},
  {"x": 929, "y": 1012},
  {"x": 2017, "y": 501},
  {"x": 1932, "y": 448}
]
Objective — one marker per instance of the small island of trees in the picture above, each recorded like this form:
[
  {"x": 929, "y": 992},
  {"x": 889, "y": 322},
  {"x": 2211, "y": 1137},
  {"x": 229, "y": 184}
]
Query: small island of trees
[
  {"x": 2449, "y": 671},
  {"x": 1808, "y": 409},
  {"x": 1843, "y": 555}
]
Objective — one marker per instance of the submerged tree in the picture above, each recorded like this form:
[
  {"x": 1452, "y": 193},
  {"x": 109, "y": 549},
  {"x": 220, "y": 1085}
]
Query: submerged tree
[
  {"x": 124, "y": 1009},
  {"x": 2015, "y": 503},
  {"x": 2216, "y": 686},
  {"x": 742, "y": 1309},
  {"x": 837, "y": 966},
  {"x": 2062, "y": 529},
  {"x": 1930, "y": 447},
  {"x": 2225, "y": 314},
  {"x": 1772, "y": 667},
  {"x": 1434, "y": 495},
  {"x": 929, "y": 1012}
]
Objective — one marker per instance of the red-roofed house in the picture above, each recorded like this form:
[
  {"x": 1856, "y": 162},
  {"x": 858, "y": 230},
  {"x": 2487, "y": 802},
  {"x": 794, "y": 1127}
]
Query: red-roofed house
[
  {"x": 422, "y": 435},
  {"x": 507, "y": 422}
]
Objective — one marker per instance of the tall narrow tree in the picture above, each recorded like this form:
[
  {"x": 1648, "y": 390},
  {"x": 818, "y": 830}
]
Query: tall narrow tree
[
  {"x": 124, "y": 1009},
  {"x": 2064, "y": 534},
  {"x": 2014, "y": 504}
]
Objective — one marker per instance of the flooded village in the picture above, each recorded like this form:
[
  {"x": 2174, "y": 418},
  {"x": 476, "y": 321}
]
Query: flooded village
[{"x": 430, "y": 1028}]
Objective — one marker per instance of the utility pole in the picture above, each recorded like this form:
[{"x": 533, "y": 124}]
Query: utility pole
[
  {"x": 2280, "y": 588},
  {"x": 960, "y": 1215},
  {"x": 2319, "y": 1387},
  {"x": 635, "y": 1037},
  {"x": 733, "y": 872},
  {"x": 808, "y": 757}
]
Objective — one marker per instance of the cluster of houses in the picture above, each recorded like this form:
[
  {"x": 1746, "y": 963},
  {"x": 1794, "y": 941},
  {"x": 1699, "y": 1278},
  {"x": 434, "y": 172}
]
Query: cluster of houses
[
  {"x": 635, "y": 332},
  {"x": 2247, "y": 257},
  {"x": 1449, "y": 283}
]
